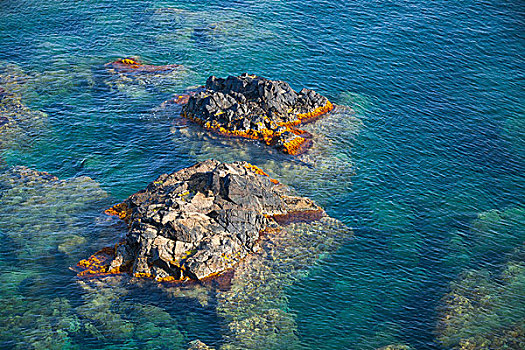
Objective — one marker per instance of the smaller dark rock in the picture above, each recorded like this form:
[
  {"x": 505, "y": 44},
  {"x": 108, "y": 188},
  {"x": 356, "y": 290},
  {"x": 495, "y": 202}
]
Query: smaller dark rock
[{"x": 257, "y": 108}]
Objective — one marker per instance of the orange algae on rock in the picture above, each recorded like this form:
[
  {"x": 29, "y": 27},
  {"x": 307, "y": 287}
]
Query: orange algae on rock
[
  {"x": 129, "y": 64},
  {"x": 253, "y": 107},
  {"x": 259, "y": 171},
  {"x": 97, "y": 264},
  {"x": 298, "y": 216},
  {"x": 311, "y": 116},
  {"x": 296, "y": 146},
  {"x": 121, "y": 210}
]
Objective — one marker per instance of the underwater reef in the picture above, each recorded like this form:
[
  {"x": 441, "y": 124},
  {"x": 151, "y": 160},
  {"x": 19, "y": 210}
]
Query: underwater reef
[
  {"x": 199, "y": 222},
  {"x": 40, "y": 205},
  {"x": 254, "y": 107},
  {"x": 132, "y": 77},
  {"x": 18, "y": 122},
  {"x": 42, "y": 225},
  {"x": 484, "y": 310}
]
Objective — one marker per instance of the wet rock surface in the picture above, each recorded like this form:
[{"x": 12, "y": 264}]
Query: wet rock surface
[
  {"x": 254, "y": 107},
  {"x": 199, "y": 222}
]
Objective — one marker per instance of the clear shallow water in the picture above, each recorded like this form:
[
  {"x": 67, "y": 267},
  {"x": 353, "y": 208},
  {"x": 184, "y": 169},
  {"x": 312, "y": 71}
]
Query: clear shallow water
[{"x": 436, "y": 147}]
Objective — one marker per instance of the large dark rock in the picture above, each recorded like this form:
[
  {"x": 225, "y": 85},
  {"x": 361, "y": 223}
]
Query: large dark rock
[
  {"x": 199, "y": 222},
  {"x": 254, "y": 107}
]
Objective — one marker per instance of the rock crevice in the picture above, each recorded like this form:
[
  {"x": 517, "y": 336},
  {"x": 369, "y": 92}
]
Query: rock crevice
[
  {"x": 199, "y": 222},
  {"x": 254, "y": 107}
]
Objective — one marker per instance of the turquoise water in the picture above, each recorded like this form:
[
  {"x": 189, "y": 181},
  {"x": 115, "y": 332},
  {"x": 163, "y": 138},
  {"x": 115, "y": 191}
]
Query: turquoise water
[{"x": 427, "y": 170}]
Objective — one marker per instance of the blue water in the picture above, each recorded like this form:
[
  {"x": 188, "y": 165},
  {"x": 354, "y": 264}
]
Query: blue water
[{"x": 438, "y": 93}]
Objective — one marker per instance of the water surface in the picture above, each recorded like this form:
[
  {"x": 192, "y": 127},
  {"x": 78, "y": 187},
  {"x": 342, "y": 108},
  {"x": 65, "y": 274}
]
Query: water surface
[{"x": 428, "y": 171}]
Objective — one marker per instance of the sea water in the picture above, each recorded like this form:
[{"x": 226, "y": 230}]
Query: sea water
[{"x": 427, "y": 169}]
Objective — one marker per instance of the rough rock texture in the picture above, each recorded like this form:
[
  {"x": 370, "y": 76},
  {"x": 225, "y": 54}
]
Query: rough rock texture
[
  {"x": 199, "y": 221},
  {"x": 257, "y": 108}
]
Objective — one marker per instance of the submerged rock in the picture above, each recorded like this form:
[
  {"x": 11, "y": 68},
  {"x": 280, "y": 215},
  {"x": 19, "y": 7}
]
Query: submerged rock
[
  {"x": 396, "y": 347},
  {"x": 253, "y": 107},
  {"x": 130, "y": 65},
  {"x": 135, "y": 78},
  {"x": 198, "y": 345},
  {"x": 31, "y": 324},
  {"x": 484, "y": 309},
  {"x": 18, "y": 123},
  {"x": 199, "y": 222},
  {"x": 255, "y": 307},
  {"x": 42, "y": 214}
]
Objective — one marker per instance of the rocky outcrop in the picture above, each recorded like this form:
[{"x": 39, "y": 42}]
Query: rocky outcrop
[
  {"x": 199, "y": 222},
  {"x": 253, "y": 107}
]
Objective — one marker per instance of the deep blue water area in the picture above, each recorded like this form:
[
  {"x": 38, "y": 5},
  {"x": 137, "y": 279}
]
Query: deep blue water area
[{"x": 437, "y": 156}]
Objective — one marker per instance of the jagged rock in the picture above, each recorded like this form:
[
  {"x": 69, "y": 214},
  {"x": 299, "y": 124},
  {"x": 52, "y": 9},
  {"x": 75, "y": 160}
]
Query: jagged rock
[
  {"x": 199, "y": 222},
  {"x": 257, "y": 108}
]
